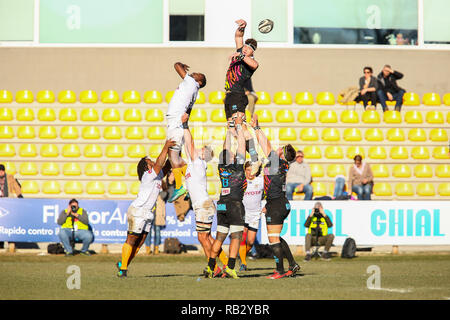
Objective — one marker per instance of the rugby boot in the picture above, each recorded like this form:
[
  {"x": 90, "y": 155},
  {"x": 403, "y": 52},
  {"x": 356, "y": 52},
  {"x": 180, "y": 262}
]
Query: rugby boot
[
  {"x": 177, "y": 193},
  {"x": 208, "y": 273},
  {"x": 243, "y": 267},
  {"x": 292, "y": 271},
  {"x": 276, "y": 275},
  {"x": 230, "y": 273}
]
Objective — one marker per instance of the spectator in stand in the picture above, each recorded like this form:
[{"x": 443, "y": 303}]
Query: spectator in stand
[
  {"x": 9, "y": 186},
  {"x": 388, "y": 88},
  {"x": 368, "y": 86},
  {"x": 299, "y": 178},
  {"x": 360, "y": 179}
]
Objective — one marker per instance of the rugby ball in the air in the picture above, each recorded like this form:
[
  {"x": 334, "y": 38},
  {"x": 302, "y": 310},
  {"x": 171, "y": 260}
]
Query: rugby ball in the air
[{"x": 265, "y": 26}]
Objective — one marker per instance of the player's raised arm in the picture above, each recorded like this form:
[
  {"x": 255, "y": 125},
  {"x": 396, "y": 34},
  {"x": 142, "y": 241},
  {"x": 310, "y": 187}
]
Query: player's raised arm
[
  {"x": 262, "y": 139},
  {"x": 181, "y": 69},
  {"x": 239, "y": 34},
  {"x": 188, "y": 140},
  {"x": 240, "y": 138},
  {"x": 160, "y": 161}
]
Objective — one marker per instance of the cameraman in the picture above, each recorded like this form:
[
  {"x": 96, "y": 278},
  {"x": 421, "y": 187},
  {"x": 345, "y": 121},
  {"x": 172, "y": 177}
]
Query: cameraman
[
  {"x": 74, "y": 222},
  {"x": 318, "y": 223}
]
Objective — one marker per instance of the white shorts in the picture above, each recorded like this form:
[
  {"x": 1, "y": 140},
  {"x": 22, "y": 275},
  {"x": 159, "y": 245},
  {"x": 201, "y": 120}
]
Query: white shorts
[
  {"x": 205, "y": 213},
  {"x": 138, "y": 220},
  {"x": 176, "y": 133},
  {"x": 252, "y": 219}
]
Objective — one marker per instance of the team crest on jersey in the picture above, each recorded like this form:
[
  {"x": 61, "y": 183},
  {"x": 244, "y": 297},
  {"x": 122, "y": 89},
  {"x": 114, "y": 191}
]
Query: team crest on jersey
[{"x": 225, "y": 173}]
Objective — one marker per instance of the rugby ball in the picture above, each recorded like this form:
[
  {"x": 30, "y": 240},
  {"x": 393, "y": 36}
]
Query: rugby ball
[{"x": 265, "y": 26}]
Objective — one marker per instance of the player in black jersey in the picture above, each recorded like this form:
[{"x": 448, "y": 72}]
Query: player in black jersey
[
  {"x": 230, "y": 209},
  {"x": 277, "y": 206}
]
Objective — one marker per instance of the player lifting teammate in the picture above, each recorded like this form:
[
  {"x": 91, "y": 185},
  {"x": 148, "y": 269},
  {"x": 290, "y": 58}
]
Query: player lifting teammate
[
  {"x": 181, "y": 103},
  {"x": 277, "y": 206}
]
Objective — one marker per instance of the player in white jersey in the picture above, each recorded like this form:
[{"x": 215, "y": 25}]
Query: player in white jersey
[
  {"x": 139, "y": 214},
  {"x": 253, "y": 208},
  {"x": 181, "y": 103}
]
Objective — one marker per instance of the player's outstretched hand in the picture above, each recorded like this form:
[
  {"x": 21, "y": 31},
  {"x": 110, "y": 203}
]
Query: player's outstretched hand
[
  {"x": 241, "y": 23},
  {"x": 169, "y": 144}
]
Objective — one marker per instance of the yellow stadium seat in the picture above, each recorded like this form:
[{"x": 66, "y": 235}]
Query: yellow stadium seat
[
  {"x": 382, "y": 189},
  {"x": 131, "y": 96},
  {"x": 25, "y": 114},
  {"x": 446, "y": 99},
  {"x": 444, "y": 189},
  {"x": 417, "y": 134},
  {"x": 395, "y": 134},
  {"x": 269, "y": 133},
  {"x": 30, "y": 187},
  {"x": 440, "y": 153},
  {"x": 10, "y": 167},
  {"x": 316, "y": 170},
  {"x": 448, "y": 117},
  {"x": 216, "y": 97},
  {"x": 6, "y": 132},
  {"x": 200, "y": 133},
  {"x": 71, "y": 169},
  {"x": 330, "y": 134},
  {"x": 282, "y": 98},
  {"x": 352, "y": 151},
  {"x": 435, "y": 117},
  {"x": 377, "y": 152},
  {"x": 306, "y": 116},
  {"x": 50, "y": 169},
  {"x": 6, "y": 114},
  {"x": 95, "y": 187},
  {"x": 443, "y": 170},
  {"x": 413, "y": 117},
  {"x": 29, "y": 150},
  {"x": 155, "y": 150},
  {"x": 325, "y": 98},
  {"x": 411, "y": 99},
  {"x": 92, "y": 151},
  {"x": 312, "y": 152},
  {"x": 154, "y": 115},
  {"x": 401, "y": 171},
  {"x": 263, "y": 97},
  {"x": 46, "y": 114},
  {"x": 319, "y": 189},
  {"x": 117, "y": 187},
  {"x": 7, "y": 150},
  {"x": 47, "y": 132},
  {"x": 309, "y": 134},
  {"x": 132, "y": 115},
  {"x": 399, "y": 152},
  {"x": 28, "y": 169},
  {"x": 198, "y": 114},
  {"x": 90, "y": 132},
  {"x": 67, "y": 96},
  {"x": 380, "y": 170},
  {"x": 431, "y": 99},
  {"x": 73, "y": 187},
  {"x": 71, "y": 151},
  {"x": 112, "y": 133},
  {"x": 423, "y": 171},
  {"x": 93, "y": 169},
  {"x": 371, "y": 116},
  {"x": 304, "y": 98},
  {"x": 219, "y": 133},
  {"x": 169, "y": 95},
  {"x": 24, "y": 96},
  {"x": 6, "y": 96},
  {"x": 201, "y": 98},
  {"x": 109, "y": 96},
  {"x": 135, "y": 133},
  {"x": 111, "y": 114},
  {"x": 136, "y": 151},
  {"x": 334, "y": 152},
  {"x": 153, "y": 96},
  {"x": 349, "y": 116},
  {"x": 45, "y": 96},
  {"x": 438, "y": 135},
  {"x": 264, "y": 115},
  {"x": 373, "y": 134},
  {"x": 156, "y": 133},
  {"x": 134, "y": 188},
  {"x": 392, "y": 116},
  {"x": 352, "y": 134},
  {"x": 404, "y": 189},
  {"x": 287, "y": 134},
  {"x": 285, "y": 116},
  {"x": 218, "y": 115},
  {"x": 88, "y": 96},
  {"x": 68, "y": 114},
  {"x": 51, "y": 187},
  {"x": 420, "y": 153},
  {"x": 89, "y": 114},
  {"x": 212, "y": 188},
  {"x": 114, "y": 151},
  {"x": 335, "y": 169},
  {"x": 328, "y": 116},
  {"x": 68, "y": 132},
  {"x": 425, "y": 189},
  {"x": 115, "y": 169}
]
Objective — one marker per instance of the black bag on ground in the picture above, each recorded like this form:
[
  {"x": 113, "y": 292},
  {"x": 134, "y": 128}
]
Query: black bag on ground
[
  {"x": 348, "y": 249},
  {"x": 172, "y": 245},
  {"x": 55, "y": 248}
]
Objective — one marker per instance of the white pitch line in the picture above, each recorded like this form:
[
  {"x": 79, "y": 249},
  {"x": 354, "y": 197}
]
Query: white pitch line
[{"x": 392, "y": 290}]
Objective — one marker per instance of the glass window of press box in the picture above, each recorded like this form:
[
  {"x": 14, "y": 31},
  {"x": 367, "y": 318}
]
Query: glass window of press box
[
  {"x": 187, "y": 20},
  {"x": 357, "y": 22},
  {"x": 436, "y": 21}
]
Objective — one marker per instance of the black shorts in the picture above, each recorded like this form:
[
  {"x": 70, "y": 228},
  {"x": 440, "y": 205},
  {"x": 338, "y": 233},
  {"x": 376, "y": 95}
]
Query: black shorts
[
  {"x": 230, "y": 213},
  {"x": 235, "y": 102},
  {"x": 277, "y": 210}
]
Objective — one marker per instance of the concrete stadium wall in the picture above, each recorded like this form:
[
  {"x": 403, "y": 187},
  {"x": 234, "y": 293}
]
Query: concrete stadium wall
[{"x": 142, "y": 69}]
